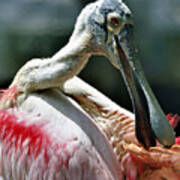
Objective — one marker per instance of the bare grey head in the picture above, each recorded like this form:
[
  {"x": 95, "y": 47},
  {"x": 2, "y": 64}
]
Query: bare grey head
[
  {"x": 105, "y": 26},
  {"x": 99, "y": 22}
]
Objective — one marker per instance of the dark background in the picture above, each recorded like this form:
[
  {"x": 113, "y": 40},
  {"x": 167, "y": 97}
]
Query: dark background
[{"x": 39, "y": 28}]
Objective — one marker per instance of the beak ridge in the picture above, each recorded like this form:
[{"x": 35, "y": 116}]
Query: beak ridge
[{"x": 151, "y": 124}]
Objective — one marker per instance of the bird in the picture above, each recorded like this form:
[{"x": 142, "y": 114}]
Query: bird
[
  {"x": 118, "y": 125},
  {"x": 94, "y": 122},
  {"x": 54, "y": 128},
  {"x": 102, "y": 28}
]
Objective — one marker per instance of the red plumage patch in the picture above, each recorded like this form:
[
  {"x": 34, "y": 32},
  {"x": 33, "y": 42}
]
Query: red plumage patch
[
  {"x": 174, "y": 120},
  {"x": 12, "y": 128},
  {"x": 16, "y": 129}
]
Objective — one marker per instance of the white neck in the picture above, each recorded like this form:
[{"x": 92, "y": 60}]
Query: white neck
[
  {"x": 74, "y": 55},
  {"x": 52, "y": 72}
]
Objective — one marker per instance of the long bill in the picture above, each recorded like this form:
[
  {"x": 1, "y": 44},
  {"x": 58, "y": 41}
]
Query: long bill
[{"x": 151, "y": 123}]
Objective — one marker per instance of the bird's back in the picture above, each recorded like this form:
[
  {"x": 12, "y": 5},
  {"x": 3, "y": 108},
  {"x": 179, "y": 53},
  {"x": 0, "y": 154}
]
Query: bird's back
[{"x": 41, "y": 141}]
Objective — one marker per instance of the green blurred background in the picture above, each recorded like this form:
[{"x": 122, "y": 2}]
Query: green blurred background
[{"x": 39, "y": 28}]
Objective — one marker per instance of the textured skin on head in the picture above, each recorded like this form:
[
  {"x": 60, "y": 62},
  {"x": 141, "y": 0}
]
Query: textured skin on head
[{"x": 111, "y": 5}]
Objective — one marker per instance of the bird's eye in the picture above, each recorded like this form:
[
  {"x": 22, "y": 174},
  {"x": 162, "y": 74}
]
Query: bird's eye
[{"x": 114, "y": 21}]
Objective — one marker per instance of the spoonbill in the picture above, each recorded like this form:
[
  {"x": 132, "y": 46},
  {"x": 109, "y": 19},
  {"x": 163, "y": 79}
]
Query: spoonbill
[{"x": 55, "y": 126}]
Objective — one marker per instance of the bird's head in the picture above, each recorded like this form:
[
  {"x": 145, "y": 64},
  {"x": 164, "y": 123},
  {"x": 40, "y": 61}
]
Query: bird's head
[
  {"x": 105, "y": 28},
  {"x": 99, "y": 22}
]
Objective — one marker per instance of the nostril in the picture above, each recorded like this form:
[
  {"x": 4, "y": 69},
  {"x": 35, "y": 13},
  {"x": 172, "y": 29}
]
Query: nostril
[{"x": 128, "y": 15}]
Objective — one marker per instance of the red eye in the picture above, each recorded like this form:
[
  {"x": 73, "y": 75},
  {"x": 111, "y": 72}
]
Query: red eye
[{"x": 114, "y": 21}]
